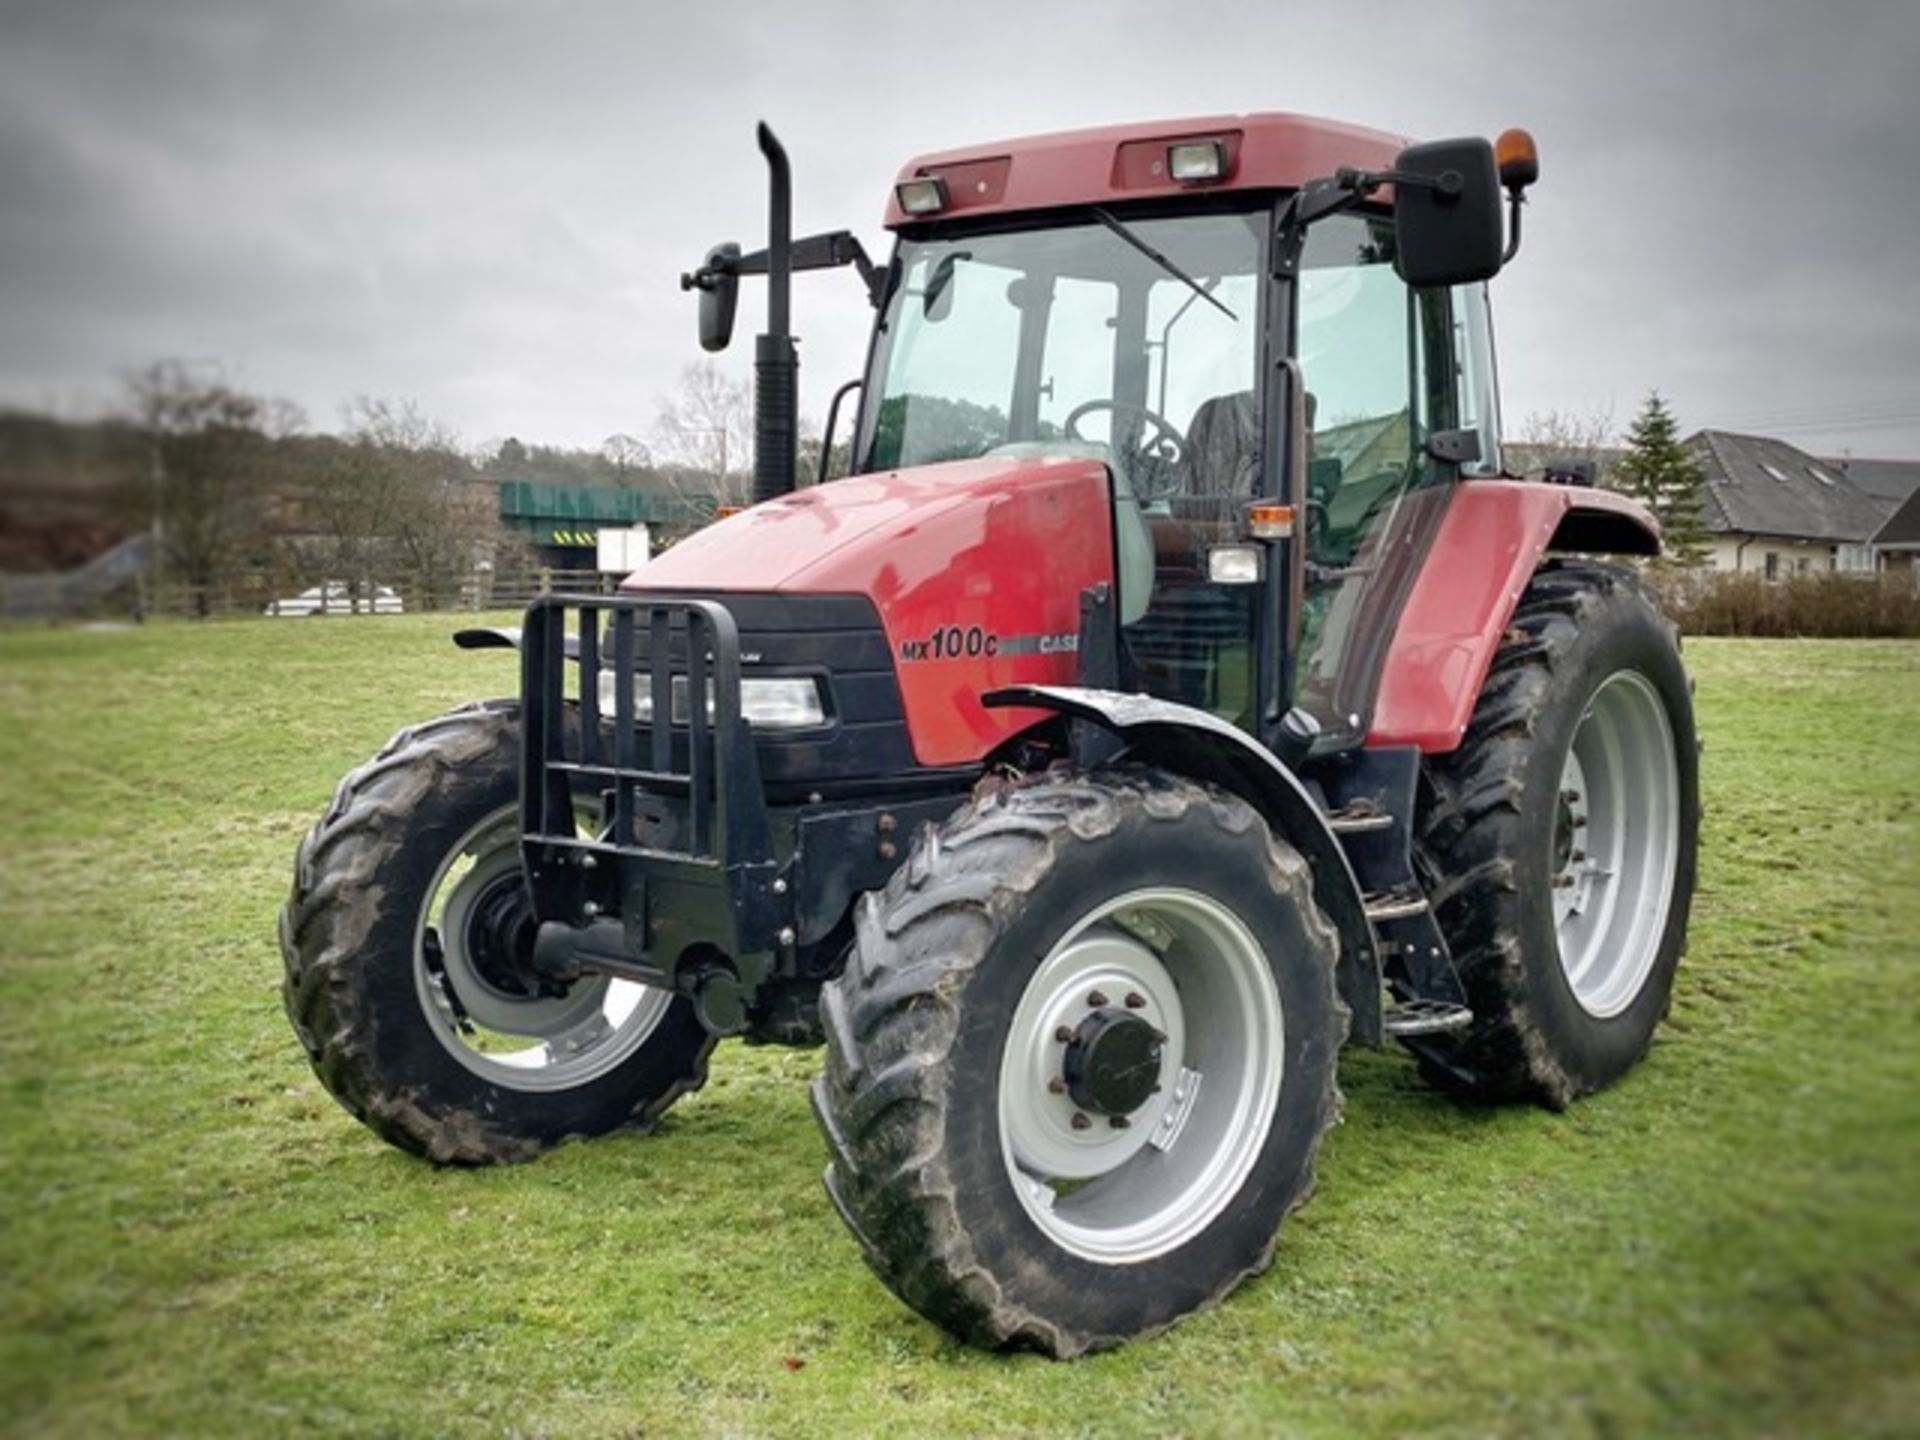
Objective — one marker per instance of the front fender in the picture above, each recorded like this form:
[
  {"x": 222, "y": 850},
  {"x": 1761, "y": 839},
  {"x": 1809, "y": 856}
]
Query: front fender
[
  {"x": 1204, "y": 747},
  {"x": 1490, "y": 541}
]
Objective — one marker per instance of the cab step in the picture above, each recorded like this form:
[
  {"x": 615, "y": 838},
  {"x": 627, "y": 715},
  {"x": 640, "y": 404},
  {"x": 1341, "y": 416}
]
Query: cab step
[
  {"x": 1395, "y": 905},
  {"x": 1425, "y": 1017},
  {"x": 1359, "y": 817}
]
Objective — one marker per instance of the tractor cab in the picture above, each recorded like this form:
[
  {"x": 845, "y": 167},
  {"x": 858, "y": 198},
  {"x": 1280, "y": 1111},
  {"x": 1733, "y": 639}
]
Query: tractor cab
[{"x": 1154, "y": 339}]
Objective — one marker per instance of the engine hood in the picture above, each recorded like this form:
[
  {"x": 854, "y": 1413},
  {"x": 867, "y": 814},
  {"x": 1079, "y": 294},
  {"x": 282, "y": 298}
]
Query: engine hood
[
  {"x": 975, "y": 569},
  {"x": 798, "y": 540}
]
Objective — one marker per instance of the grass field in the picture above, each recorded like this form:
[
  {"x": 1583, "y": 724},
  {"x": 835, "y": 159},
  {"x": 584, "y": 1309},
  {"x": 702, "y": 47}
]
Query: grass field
[{"x": 195, "y": 1240}]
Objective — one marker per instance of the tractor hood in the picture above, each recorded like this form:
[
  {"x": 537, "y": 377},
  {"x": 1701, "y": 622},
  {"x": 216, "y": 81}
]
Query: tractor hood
[
  {"x": 824, "y": 536},
  {"x": 975, "y": 570}
]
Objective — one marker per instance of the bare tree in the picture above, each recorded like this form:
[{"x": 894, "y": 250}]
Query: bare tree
[
  {"x": 1547, "y": 436},
  {"x": 208, "y": 461},
  {"x": 627, "y": 457},
  {"x": 396, "y": 495},
  {"x": 704, "y": 435}
]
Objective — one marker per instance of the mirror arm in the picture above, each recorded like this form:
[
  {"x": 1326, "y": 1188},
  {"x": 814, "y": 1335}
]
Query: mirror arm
[
  {"x": 1365, "y": 182},
  {"x": 815, "y": 252}
]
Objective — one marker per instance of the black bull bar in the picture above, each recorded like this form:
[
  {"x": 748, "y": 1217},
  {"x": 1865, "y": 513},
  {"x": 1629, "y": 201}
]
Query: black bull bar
[{"x": 677, "y": 861}]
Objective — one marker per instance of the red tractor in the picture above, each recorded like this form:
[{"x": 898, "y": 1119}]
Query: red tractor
[{"x": 1176, "y": 689}]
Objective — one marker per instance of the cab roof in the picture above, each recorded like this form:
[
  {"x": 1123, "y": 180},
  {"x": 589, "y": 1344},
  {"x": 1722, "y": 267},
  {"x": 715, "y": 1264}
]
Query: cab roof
[{"x": 1268, "y": 151}]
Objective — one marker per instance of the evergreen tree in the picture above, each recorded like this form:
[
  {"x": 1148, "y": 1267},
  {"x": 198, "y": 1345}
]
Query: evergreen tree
[{"x": 1658, "y": 471}]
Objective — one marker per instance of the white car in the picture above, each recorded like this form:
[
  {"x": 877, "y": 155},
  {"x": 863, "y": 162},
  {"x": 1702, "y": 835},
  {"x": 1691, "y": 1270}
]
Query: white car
[{"x": 336, "y": 597}]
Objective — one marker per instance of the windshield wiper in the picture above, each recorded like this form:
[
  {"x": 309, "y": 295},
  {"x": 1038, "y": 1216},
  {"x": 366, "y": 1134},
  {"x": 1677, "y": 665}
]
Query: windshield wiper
[{"x": 1162, "y": 261}]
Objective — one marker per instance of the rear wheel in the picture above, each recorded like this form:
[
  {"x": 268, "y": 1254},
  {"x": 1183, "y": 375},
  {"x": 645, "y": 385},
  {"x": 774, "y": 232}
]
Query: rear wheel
[
  {"x": 1081, "y": 1060},
  {"x": 403, "y": 940},
  {"x": 1558, "y": 842}
]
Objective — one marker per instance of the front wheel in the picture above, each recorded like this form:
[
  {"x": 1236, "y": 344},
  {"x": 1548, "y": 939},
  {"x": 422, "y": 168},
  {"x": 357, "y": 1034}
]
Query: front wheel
[
  {"x": 1080, "y": 1061},
  {"x": 404, "y": 940}
]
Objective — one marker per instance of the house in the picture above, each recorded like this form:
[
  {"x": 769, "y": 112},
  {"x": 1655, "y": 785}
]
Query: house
[
  {"x": 1896, "y": 544},
  {"x": 1773, "y": 509},
  {"x": 1889, "y": 480}
]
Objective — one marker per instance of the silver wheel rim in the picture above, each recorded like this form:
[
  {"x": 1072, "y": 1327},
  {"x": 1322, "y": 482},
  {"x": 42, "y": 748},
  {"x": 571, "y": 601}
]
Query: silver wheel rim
[
  {"x": 1616, "y": 844},
  {"x": 1191, "y": 968},
  {"x": 516, "y": 1042}
]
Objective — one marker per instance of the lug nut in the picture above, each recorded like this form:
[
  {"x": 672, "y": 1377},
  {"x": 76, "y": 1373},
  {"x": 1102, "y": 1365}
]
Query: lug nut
[
  {"x": 589, "y": 909},
  {"x": 587, "y": 862},
  {"x": 1080, "y": 1121},
  {"x": 779, "y": 887},
  {"x": 1056, "y": 1086},
  {"x": 785, "y": 937},
  {"x": 1096, "y": 999},
  {"x": 1118, "y": 1122},
  {"x": 1135, "y": 1000},
  {"x": 1063, "y": 1035}
]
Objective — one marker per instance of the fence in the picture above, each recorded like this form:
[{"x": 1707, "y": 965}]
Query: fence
[
  {"x": 123, "y": 592},
  {"x": 1704, "y": 602}
]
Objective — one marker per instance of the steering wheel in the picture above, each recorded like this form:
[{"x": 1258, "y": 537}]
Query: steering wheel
[{"x": 1155, "y": 464}]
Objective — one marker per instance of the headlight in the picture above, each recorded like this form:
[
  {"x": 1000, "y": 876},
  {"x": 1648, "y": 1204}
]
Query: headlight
[{"x": 773, "y": 703}]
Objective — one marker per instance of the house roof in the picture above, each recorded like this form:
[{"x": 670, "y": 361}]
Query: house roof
[
  {"x": 1759, "y": 486},
  {"x": 1902, "y": 529},
  {"x": 1892, "y": 480}
]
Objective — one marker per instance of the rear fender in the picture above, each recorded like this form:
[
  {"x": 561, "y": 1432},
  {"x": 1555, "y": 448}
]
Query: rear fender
[
  {"x": 1204, "y": 747},
  {"x": 1490, "y": 541}
]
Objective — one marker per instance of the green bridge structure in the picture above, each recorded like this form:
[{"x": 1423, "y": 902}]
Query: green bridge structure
[{"x": 566, "y": 520}]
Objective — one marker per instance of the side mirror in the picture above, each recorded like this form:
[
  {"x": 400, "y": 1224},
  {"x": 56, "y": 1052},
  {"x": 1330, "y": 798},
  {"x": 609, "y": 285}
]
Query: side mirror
[
  {"x": 1446, "y": 213},
  {"x": 719, "y": 297}
]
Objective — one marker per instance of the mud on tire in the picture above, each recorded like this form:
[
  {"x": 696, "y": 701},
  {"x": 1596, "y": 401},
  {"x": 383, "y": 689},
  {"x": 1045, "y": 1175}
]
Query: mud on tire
[
  {"x": 1498, "y": 843},
  {"x": 379, "y": 1029},
  {"x": 923, "y": 1035}
]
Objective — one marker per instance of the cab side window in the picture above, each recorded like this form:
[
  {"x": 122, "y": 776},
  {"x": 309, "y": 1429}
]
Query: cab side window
[{"x": 1379, "y": 363}]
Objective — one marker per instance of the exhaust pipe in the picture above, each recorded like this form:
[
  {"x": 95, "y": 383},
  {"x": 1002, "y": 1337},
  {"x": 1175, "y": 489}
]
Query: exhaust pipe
[{"x": 776, "y": 361}]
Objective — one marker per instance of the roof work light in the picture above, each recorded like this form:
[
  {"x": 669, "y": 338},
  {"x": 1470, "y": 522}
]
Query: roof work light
[
  {"x": 1192, "y": 161},
  {"x": 924, "y": 196}
]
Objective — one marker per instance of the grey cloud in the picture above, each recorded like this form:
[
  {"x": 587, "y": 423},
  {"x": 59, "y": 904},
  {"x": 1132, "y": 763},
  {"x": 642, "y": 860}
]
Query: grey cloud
[{"x": 486, "y": 206}]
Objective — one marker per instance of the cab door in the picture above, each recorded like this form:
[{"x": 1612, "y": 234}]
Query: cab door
[{"x": 1386, "y": 367}]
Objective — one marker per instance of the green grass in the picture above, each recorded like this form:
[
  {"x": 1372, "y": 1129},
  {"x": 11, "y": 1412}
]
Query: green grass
[{"x": 195, "y": 1240}]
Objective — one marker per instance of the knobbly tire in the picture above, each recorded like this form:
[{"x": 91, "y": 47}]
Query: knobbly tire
[
  {"x": 1558, "y": 842},
  {"x": 403, "y": 898},
  {"x": 1019, "y": 1196}
]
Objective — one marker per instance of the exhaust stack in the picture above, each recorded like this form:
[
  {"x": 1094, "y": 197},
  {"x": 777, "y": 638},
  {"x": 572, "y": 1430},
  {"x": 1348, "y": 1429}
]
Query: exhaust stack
[{"x": 776, "y": 361}]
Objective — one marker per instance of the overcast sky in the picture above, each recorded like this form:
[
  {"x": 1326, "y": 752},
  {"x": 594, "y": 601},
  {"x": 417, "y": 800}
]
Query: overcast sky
[{"x": 484, "y": 205}]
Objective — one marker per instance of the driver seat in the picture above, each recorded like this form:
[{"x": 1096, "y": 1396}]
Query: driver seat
[{"x": 1223, "y": 452}]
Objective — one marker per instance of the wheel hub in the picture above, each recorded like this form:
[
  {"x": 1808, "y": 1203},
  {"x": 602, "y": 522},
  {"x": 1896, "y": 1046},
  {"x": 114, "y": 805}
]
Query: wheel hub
[
  {"x": 499, "y": 939},
  {"x": 1112, "y": 1063},
  {"x": 1142, "y": 1066},
  {"x": 494, "y": 1014}
]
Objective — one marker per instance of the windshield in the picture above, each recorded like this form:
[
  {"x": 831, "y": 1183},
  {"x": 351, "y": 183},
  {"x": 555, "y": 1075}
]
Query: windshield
[{"x": 1110, "y": 331}]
